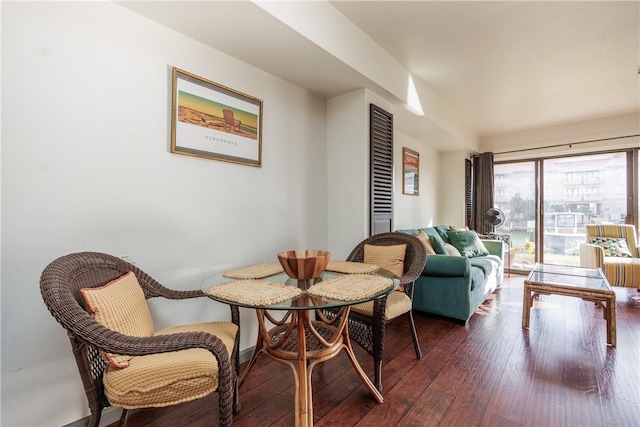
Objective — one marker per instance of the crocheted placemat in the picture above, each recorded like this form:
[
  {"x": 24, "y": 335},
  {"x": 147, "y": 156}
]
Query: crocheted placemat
[
  {"x": 253, "y": 292},
  {"x": 255, "y": 271},
  {"x": 351, "y": 287},
  {"x": 349, "y": 267}
]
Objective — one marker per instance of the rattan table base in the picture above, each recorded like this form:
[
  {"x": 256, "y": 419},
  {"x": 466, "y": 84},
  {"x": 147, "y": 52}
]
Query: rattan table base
[
  {"x": 605, "y": 297},
  {"x": 301, "y": 343}
]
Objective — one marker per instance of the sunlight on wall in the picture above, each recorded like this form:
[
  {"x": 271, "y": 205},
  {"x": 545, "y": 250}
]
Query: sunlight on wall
[{"x": 413, "y": 100}]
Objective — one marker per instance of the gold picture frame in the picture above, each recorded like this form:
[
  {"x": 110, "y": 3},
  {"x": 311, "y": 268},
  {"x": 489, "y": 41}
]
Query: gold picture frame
[
  {"x": 410, "y": 172},
  {"x": 214, "y": 122}
]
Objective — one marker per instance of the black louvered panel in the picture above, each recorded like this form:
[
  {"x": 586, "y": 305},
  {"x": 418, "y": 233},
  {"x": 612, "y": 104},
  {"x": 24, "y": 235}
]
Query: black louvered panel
[
  {"x": 381, "y": 153},
  {"x": 468, "y": 199}
]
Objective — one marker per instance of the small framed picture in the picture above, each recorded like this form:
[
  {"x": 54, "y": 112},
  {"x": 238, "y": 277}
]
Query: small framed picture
[
  {"x": 215, "y": 122},
  {"x": 410, "y": 170}
]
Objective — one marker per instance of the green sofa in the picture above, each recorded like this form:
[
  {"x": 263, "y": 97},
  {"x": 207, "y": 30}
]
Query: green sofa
[{"x": 455, "y": 286}]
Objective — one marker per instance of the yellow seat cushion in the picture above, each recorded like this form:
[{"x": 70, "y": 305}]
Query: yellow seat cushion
[
  {"x": 120, "y": 305},
  {"x": 166, "y": 379},
  {"x": 397, "y": 303}
]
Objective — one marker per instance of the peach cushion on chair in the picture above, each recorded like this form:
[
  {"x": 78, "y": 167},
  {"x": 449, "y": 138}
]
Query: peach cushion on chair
[
  {"x": 120, "y": 305},
  {"x": 164, "y": 379},
  {"x": 390, "y": 258}
]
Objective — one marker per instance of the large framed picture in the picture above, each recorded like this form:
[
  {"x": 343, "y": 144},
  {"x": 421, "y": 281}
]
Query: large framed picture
[
  {"x": 215, "y": 122},
  {"x": 410, "y": 170}
]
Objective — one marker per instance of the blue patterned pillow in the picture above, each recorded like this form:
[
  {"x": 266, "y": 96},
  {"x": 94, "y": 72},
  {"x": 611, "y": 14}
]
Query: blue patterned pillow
[{"x": 613, "y": 246}]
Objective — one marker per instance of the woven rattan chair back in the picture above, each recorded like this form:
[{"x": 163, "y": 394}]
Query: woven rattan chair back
[
  {"x": 369, "y": 331},
  {"x": 60, "y": 285},
  {"x": 414, "y": 259}
]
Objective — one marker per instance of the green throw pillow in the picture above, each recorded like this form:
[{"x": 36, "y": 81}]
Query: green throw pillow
[
  {"x": 438, "y": 244},
  {"x": 436, "y": 241},
  {"x": 468, "y": 243},
  {"x": 613, "y": 246},
  {"x": 443, "y": 231}
]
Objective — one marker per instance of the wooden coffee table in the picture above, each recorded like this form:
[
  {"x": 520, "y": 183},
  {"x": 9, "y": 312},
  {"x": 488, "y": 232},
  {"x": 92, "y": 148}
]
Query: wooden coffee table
[{"x": 586, "y": 283}]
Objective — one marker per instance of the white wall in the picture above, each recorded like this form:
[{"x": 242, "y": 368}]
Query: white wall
[
  {"x": 606, "y": 133},
  {"x": 451, "y": 187},
  {"x": 419, "y": 211},
  {"x": 86, "y": 166},
  {"x": 348, "y": 158}
]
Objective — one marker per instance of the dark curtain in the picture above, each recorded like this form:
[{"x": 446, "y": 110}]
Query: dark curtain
[{"x": 482, "y": 191}]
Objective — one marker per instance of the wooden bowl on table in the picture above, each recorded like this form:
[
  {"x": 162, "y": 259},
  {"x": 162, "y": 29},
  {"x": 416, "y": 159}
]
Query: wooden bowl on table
[{"x": 304, "y": 265}]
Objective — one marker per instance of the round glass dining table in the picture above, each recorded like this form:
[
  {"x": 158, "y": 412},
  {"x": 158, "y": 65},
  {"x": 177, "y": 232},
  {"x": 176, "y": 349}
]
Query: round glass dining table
[{"x": 297, "y": 338}]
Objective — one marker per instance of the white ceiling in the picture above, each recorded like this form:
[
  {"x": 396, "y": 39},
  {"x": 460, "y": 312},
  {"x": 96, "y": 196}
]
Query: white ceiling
[
  {"x": 503, "y": 65},
  {"x": 514, "y": 65}
]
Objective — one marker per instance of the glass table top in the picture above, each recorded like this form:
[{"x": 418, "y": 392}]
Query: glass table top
[
  {"x": 568, "y": 276},
  {"x": 305, "y": 301}
]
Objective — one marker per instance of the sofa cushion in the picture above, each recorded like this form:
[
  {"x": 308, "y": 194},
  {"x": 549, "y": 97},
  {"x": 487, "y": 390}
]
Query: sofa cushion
[
  {"x": 451, "y": 250},
  {"x": 411, "y": 231},
  {"x": 438, "y": 245},
  {"x": 468, "y": 243},
  {"x": 424, "y": 238},
  {"x": 613, "y": 246},
  {"x": 436, "y": 241},
  {"x": 487, "y": 263},
  {"x": 455, "y": 228},
  {"x": 443, "y": 231},
  {"x": 477, "y": 277}
]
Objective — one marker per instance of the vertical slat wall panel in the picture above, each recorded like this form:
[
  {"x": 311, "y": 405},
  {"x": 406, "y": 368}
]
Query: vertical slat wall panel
[
  {"x": 468, "y": 198},
  {"x": 381, "y": 155}
]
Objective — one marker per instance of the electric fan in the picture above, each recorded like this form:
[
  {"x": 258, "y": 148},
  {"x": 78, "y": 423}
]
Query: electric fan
[{"x": 493, "y": 217}]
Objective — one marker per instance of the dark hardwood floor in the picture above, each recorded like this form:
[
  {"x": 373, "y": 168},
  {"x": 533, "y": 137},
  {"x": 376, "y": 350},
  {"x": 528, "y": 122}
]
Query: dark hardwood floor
[{"x": 489, "y": 372}]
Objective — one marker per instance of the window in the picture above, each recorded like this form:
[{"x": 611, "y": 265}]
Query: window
[{"x": 573, "y": 191}]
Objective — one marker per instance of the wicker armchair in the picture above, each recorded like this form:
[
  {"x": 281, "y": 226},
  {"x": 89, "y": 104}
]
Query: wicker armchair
[
  {"x": 61, "y": 283},
  {"x": 367, "y": 325}
]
